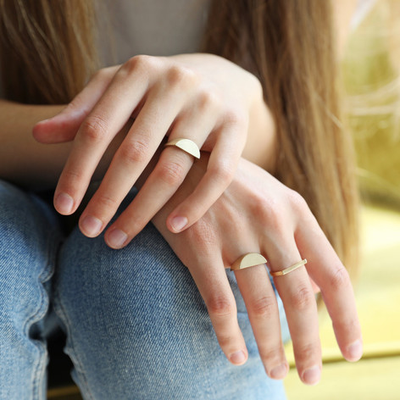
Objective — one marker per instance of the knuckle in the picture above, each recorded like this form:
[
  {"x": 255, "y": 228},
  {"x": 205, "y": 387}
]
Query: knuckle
[
  {"x": 135, "y": 152},
  {"x": 235, "y": 117},
  {"x": 207, "y": 99},
  {"x": 73, "y": 176},
  {"x": 75, "y": 105},
  {"x": 306, "y": 352},
  {"x": 94, "y": 128},
  {"x": 348, "y": 326},
  {"x": 220, "y": 306},
  {"x": 107, "y": 202},
  {"x": 140, "y": 63},
  {"x": 171, "y": 173},
  {"x": 272, "y": 214},
  {"x": 264, "y": 307},
  {"x": 224, "y": 340},
  {"x": 271, "y": 354},
  {"x": 223, "y": 173},
  {"x": 339, "y": 278},
  {"x": 297, "y": 202},
  {"x": 178, "y": 75},
  {"x": 202, "y": 236},
  {"x": 302, "y": 298}
]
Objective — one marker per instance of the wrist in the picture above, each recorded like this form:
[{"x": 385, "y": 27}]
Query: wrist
[{"x": 261, "y": 145}]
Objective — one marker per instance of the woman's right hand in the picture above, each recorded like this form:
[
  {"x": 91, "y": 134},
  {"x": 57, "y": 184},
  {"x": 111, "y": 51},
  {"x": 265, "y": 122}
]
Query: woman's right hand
[
  {"x": 259, "y": 214},
  {"x": 203, "y": 98}
]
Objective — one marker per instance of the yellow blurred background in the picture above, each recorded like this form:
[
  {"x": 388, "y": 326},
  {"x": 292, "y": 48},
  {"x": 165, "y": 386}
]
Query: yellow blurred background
[{"x": 372, "y": 102}]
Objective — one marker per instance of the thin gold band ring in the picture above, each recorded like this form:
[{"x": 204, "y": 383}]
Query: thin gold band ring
[{"x": 289, "y": 269}]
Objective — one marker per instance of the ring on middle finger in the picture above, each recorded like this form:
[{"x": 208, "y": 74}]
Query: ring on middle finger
[
  {"x": 248, "y": 260},
  {"x": 186, "y": 145}
]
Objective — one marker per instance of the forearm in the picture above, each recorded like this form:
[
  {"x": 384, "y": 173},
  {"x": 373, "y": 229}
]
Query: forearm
[
  {"x": 24, "y": 161},
  {"x": 261, "y": 144},
  {"x": 28, "y": 163}
]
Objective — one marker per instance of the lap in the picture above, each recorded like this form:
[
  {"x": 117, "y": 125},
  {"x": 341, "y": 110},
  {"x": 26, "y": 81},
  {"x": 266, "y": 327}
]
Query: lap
[
  {"x": 29, "y": 238},
  {"x": 136, "y": 323}
]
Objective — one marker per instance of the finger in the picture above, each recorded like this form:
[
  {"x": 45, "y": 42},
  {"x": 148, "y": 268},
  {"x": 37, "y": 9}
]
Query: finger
[
  {"x": 220, "y": 172},
  {"x": 167, "y": 176},
  {"x": 209, "y": 274},
  {"x": 300, "y": 307},
  {"x": 106, "y": 119},
  {"x": 136, "y": 151},
  {"x": 331, "y": 276},
  {"x": 64, "y": 126},
  {"x": 262, "y": 308},
  {"x": 160, "y": 186}
]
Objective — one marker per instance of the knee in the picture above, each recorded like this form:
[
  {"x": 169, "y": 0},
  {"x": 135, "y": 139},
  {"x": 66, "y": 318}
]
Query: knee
[
  {"x": 90, "y": 272},
  {"x": 131, "y": 291},
  {"x": 23, "y": 216},
  {"x": 28, "y": 242}
]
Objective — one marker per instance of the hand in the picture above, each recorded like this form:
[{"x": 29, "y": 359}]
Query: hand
[
  {"x": 259, "y": 214},
  {"x": 201, "y": 97}
]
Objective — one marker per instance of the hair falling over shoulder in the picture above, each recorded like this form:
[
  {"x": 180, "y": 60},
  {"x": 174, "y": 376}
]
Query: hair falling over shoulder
[
  {"x": 289, "y": 46},
  {"x": 47, "y": 55}
]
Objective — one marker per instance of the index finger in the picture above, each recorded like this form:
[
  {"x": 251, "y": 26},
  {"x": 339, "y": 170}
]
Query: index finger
[{"x": 95, "y": 134}]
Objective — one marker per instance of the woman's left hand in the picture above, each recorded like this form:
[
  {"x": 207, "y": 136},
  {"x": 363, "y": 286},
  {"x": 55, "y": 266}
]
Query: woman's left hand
[
  {"x": 257, "y": 213},
  {"x": 201, "y": 97}
]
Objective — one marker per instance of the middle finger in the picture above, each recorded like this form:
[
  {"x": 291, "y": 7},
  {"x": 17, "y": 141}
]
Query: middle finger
[
  {"x": 142, "y": 141},
  {"x": 262, "y": 307}
]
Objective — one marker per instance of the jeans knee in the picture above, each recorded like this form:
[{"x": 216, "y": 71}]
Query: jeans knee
[
  {"x": 90, "y": 272},
  {"x": 29, "y": 238}
]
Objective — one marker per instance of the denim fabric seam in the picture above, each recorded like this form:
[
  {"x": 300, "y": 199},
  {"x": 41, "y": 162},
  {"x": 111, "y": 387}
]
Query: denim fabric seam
[
  {"x": 36, "y": 316},
  {"x": 83, "y": 384},
  {"x": 39, "y": 314}
]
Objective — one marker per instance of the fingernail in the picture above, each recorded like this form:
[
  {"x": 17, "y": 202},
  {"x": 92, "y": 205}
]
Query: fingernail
[
  {"x": 355, "y": 351},
  {"x": 91, "y": 226},
  {"x": 116, "y": 238},
  {"x": 238, "y": 358},
  {"x": 312, "y": 375},
  {"x": 279, "y": 372},
  {"x": 178, "y": 223},
  {"x": 43, "y": 121},
  {"x": 64, "y": 203}
]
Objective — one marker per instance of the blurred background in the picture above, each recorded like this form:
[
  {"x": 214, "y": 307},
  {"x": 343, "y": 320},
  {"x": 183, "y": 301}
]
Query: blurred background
[{"x": 370, "y": 71}]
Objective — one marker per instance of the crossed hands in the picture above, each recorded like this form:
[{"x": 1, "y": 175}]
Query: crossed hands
[{"x": 211, "y": 211}]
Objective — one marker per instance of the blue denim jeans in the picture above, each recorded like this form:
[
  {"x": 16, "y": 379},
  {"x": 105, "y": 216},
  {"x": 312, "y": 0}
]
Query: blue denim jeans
[{"x": 136, "y": 325}]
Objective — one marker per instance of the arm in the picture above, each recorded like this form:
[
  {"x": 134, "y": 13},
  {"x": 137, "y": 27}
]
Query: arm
[
  {"x": 28, "y": 163},
  {"x": 23, "y": 160}
]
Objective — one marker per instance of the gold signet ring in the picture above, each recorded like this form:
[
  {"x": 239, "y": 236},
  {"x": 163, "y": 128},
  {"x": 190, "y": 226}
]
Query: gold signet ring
[
  {"x": 248, "y": 260},
  {"x": 289, "y": 269},
  {"x": 186, "y": 145}
]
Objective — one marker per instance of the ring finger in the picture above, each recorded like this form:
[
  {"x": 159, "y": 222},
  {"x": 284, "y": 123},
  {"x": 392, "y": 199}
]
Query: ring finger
[
  {"x": 300, "y": 307},
  {"x": 162, "y": 183}
]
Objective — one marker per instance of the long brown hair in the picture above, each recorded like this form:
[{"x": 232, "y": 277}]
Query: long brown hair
[{"x": 287, "y": 44}]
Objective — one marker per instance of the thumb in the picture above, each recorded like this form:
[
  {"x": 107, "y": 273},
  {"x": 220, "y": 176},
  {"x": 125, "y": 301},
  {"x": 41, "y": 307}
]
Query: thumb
[{"x": 64, "y": 126}]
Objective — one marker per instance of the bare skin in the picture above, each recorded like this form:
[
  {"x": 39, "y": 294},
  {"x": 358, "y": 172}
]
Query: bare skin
[{"x": 273, "y": 220}]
